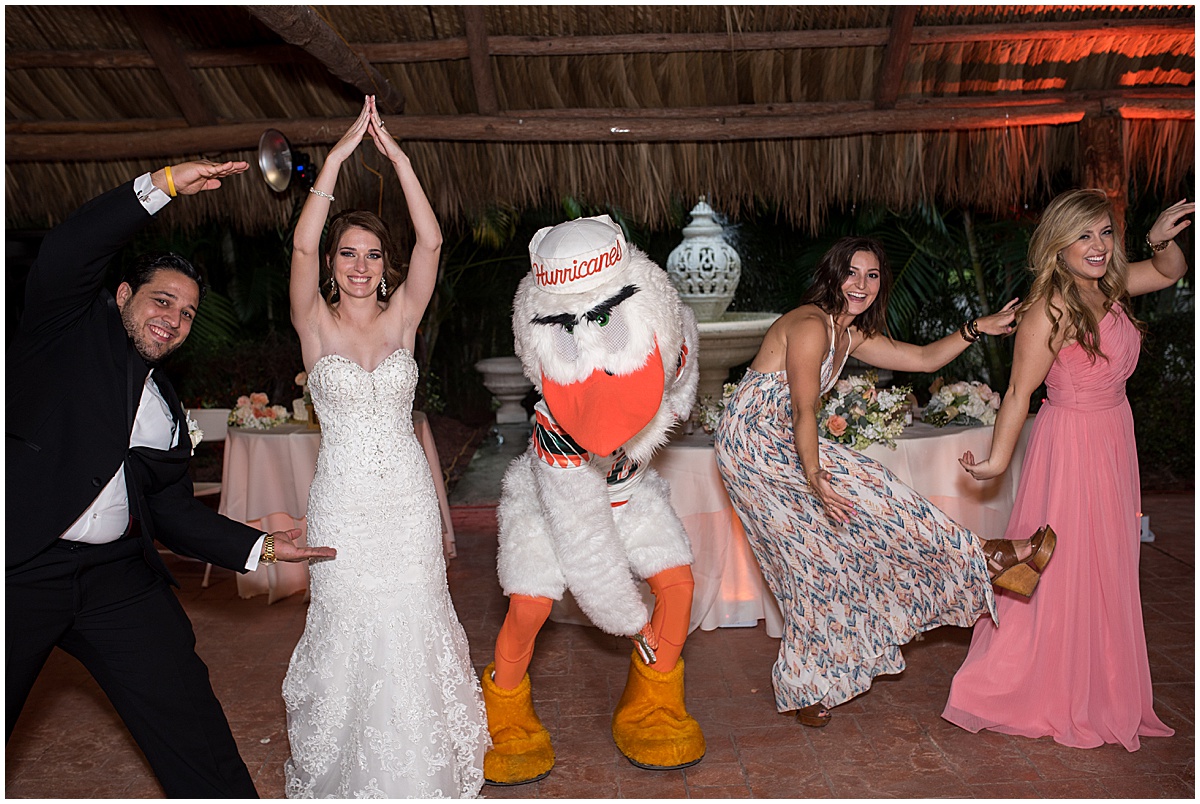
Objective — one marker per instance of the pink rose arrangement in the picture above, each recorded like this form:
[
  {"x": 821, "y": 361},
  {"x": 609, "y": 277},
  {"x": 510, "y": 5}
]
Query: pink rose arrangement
[
  {"x": 858, "y": 414},
  {"x": 256, "y": 412},
  {"x": 963, "y": 403}
]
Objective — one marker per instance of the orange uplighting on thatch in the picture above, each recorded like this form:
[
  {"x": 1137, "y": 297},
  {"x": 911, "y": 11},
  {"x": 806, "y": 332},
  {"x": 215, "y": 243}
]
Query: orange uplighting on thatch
[{"x": 1136, "y": 78}]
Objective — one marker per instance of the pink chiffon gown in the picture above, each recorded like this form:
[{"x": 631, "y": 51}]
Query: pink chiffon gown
[{"x": 1070, "y": 662}]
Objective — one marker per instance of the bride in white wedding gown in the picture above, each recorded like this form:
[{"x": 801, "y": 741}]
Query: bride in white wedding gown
[{"x": 382, "y": 700}]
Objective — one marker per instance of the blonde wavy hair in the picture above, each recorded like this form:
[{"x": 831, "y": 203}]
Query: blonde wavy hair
[{"x": 1064, "y": 220}]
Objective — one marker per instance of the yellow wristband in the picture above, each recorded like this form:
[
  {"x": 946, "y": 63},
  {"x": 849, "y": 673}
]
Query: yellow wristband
[{"x": 170, "y": 182}]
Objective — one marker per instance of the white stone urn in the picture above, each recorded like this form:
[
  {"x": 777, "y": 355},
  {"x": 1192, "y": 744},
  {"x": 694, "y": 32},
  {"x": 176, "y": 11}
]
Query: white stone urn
[
  {"x": 505, "y": 378},
  {"x": 726, "y": 343},
  {"x": 704, "y": 268}
]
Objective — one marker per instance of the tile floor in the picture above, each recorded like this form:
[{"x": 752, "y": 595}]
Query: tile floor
[{"x": 887, "y": 743}]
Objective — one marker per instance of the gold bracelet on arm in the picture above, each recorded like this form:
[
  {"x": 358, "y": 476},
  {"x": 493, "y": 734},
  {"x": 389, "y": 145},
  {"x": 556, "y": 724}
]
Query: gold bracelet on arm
[
  {"x": 1157, "y": 247},
  {"x": 170, "y": 182}
]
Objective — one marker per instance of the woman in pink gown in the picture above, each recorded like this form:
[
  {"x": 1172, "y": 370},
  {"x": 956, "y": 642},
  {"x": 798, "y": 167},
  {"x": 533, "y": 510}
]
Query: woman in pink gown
[{"x": 1070, "y": 662}]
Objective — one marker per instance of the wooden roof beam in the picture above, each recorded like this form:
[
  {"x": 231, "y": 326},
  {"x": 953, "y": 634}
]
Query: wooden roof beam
[
  {"x": 895, "y": 57},
  {"x": 497, "y": 128},
  {"x": 481, "y": 63},
  {"x": 168, "y": 59},
  {"x": 457, "y": 47},
  {"x": 1157, "y": 102},
  {"x": 303, "y": 27}
]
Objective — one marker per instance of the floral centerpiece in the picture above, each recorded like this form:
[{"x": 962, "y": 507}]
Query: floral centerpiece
[
  {"x": 964, "y": 403},
  {"x": 708, "y": 412},
  {"x": 858, "y": 414},
  {"x": 256, "y": 412}
]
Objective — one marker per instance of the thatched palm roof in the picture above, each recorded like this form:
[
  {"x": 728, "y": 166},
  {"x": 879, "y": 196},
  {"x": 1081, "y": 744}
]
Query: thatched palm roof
[{"x": 800, "y": 109}]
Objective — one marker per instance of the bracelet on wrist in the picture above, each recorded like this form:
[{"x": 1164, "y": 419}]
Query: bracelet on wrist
[
  {"x": 315, "y": 191},
  {"x": 1157, "y": 247},
  {"x": 170, "y": 182},
  {"x": 973, "y": 328},
  {"x": 962, "y": 330}
]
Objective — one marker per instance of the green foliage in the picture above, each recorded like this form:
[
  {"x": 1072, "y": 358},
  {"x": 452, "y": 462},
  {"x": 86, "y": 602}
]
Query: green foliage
[
  {"x": 1161, "y": 394},
  {"x": 215, "y": 376}
]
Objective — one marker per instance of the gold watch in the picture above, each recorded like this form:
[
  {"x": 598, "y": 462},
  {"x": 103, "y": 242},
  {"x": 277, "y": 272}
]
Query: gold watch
[{"x": 268, "y": 549}]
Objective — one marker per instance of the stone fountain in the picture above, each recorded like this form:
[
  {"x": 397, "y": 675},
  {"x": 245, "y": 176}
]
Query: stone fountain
[
  {"x": 505, "y": 378},
  {"x": 705, "y": 270}
]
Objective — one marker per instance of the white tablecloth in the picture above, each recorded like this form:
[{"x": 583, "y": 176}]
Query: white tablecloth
[
  {"x": 730, "y": 590},
  {"x": 265, "y": 484}
]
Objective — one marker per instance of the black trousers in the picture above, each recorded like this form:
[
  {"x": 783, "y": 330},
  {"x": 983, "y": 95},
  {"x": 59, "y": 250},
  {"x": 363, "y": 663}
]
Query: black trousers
[{"x": 105, "y": 606}]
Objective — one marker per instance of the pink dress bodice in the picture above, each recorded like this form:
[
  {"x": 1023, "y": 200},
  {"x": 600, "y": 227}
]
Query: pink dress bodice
[{"x": 1079, "y": 382}]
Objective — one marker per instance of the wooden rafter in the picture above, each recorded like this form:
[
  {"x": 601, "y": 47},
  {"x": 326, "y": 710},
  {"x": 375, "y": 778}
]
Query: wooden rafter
[
  {"x": 457, "y": 47},
  {"x": 169, "y": 60},
  {"x": 895, "y": 57},
  {"x": 303, "y": 27},
  {"x": 1129, "y": 102},
  {"x": 702, "y": 125},
  {"x": 481, "y": 64}
]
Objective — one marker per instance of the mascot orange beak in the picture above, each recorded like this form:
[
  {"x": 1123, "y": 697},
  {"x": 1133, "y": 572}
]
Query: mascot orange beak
[{"x": 604, "y": 411}]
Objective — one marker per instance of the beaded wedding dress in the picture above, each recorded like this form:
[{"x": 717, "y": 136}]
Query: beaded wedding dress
[{"x": 381, "y": 697}]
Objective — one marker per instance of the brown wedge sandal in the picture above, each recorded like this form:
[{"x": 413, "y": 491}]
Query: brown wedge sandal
[
  {"x": 1043, "y": 543},
  {"x": 815, "y": 716},
  {"x": 1007, "y": 569}
]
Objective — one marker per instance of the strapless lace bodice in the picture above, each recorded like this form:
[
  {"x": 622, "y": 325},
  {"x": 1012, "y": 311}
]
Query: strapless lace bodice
[
  {"x": 371, "y": 467},
  {"x": 381, "y": 697}
]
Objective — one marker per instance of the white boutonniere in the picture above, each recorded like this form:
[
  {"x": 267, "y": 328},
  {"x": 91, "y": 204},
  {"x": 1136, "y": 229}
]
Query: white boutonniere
[{"x": 194, "y": 432}]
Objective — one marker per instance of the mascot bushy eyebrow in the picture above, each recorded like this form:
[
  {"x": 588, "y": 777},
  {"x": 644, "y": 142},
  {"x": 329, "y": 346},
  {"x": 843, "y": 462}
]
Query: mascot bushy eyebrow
[{"x": 603, "y": 336}]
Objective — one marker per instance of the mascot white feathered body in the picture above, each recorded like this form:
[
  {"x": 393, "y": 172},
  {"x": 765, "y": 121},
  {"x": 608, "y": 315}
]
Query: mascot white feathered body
[
  {"x": 582, "y": 509},
  {"x": 607, "y": 342}
]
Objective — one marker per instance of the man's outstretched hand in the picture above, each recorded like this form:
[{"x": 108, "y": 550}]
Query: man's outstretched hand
[
  {"x": 286, "y": 548},
  {"x": 190, "y": 178}
]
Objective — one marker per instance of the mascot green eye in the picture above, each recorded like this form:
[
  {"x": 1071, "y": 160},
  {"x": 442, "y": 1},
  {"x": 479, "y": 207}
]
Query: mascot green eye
[
  {"x": 602, "y": 319},
  {"x": 570, "y": 328}
]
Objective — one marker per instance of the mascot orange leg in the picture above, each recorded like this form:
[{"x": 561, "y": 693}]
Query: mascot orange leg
[
  {"x": 651, "y": 725},
  {"x": 672, "y": 590},
  {"x": 521, "y": 750}
]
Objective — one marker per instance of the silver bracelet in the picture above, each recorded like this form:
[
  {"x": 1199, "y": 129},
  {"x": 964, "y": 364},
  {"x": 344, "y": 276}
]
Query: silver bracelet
[{"x": 315, "y": 191}]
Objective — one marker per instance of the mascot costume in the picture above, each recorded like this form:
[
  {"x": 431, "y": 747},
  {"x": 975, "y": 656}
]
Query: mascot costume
[{"x": 603, "y": 336}]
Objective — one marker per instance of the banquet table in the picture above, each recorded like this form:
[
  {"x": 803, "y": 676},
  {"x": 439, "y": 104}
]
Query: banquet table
[
  {"x": 730, "y": 590},
  {"x": 265, "y": 483}
]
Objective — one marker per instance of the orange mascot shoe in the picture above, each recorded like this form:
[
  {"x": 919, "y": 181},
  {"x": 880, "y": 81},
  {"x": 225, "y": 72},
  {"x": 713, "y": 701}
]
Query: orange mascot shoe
[
  {"x": 651, "y": 726},
  {"x": 521, "y": 750}
]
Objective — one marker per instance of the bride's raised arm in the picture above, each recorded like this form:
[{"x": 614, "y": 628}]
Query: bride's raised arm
[
  {"x": 414, "y": 294},
  {"x": 304, "y": 289}
]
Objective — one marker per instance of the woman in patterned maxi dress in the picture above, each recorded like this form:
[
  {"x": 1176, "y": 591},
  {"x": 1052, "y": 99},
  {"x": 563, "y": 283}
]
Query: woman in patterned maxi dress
[
  {"x": 859, "y": 562},
  {"x": 1071, "y": 664}
]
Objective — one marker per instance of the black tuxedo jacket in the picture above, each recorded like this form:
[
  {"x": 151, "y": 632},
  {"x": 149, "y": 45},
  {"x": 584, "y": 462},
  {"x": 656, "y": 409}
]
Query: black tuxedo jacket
[{"x": 73, "y": 383}]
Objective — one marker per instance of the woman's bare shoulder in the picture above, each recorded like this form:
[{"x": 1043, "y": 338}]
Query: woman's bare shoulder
[{"x": 804, "y": 324}]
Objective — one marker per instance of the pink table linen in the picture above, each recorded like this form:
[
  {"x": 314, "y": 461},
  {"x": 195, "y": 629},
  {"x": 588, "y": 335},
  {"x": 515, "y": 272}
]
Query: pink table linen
[{"x": 730, "y": 590}]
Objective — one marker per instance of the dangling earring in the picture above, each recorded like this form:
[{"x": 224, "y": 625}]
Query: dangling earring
[
  {"x": 337, "y": 291},
  {"x": 383, "y": 287}
]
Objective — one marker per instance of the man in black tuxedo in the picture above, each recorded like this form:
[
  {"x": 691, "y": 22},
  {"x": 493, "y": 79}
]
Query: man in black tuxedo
[{"x": 96, "y": 440}]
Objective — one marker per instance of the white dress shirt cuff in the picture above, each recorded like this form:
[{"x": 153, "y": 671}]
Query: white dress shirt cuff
[
  {"x": 255, "y": 554},
  {"x": 152, "y": 198}
]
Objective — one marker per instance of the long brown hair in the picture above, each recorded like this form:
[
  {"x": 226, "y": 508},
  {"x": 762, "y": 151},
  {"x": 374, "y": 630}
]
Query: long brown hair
[
  {"x": 359, "y": 219},
  {"x": 1064, "y": 220},
  {"x": 832, "y": 272}
]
